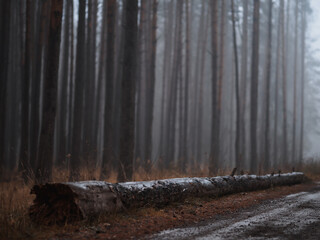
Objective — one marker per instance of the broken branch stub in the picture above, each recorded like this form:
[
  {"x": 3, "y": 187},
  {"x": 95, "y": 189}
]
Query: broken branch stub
[{"x": 57, "y": 203}]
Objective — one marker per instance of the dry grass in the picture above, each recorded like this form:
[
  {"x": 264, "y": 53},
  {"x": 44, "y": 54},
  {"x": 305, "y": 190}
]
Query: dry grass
[
  {"x": 15, "y": 198},
  {"x": 312, "y": 168}
]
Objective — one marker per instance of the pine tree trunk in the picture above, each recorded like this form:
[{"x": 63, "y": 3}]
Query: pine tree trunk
[
  {"x": 44, "y": 169},
  {"x": 303, "y": 36},
  {"x": 128, "y": 81},
  {"x": 294, "y": 147},
  {"x": 4, "y": 54},
  {"x": 214, "y": 151},
  {"x": 238, "y": 156},
  {"x": 267, "y": 97},
  {"x": 284, "y": 162},
  {"x": 108, "y": 147},
  {"x": 254, "y": 88},
  {"x": 76, "y": 159}
]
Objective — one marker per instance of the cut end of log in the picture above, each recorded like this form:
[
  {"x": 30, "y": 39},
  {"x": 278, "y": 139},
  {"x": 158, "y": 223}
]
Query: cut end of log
[
  {"x": 54, "y": 204},
  {"x": 59, "y": 203}
]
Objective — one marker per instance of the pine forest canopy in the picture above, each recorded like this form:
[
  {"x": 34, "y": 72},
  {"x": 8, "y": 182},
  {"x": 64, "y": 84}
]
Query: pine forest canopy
[{"x": 155, "y": 85}]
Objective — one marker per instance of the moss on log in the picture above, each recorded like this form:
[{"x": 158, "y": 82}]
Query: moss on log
[{"x": 57, "y": 203}]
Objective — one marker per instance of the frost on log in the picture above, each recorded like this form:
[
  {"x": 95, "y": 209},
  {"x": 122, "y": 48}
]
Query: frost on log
[{"x": 57, "y": 203}]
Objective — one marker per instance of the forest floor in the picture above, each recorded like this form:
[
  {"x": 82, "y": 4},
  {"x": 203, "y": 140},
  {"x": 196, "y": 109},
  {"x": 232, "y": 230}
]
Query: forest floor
[{"x": 15, "y": 199}]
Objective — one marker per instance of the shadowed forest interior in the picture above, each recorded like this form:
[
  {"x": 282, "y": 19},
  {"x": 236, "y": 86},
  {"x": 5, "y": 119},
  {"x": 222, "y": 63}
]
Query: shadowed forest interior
[{"x": 120, "y": 87}]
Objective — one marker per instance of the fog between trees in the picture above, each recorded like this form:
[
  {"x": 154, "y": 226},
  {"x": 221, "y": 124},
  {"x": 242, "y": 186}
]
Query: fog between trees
[{"x": 123, "y": 85}]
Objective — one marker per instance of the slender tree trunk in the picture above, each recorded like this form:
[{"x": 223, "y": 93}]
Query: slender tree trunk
[
  {"x": 197, "y": 64},
  {"x": 276, "y": 92},
  {"x": 89, "y": 146},
  {"x": 201, "y": 88},
  {"x": 238, "y": 156},
  {"x": 284, "y": 91},
  {"x": 108, "y": 148},
  {"x": 186, "y": 90},
  {"x": 150, "y": 88},
  {"x": 76, "y": 159},
  {"x": 4, "y": 58},
  {"x": 70, "y": 85},
  {"x": 244, "y": 66},
  {"x": 254, "y": 87},
  {"x": 172, "y": 103},
  {"x": 303, "y": 36},
  {"x": 128, "y": 81},
  {"x": 294, "y": 150},
  {"x": 40, "y": 53},
  {"x": 27, "y": 65},
  {"x": 267, "y": 96},
  {"x": 61, "y": 123},
  {"x": 44, "y": 169},
  {"x": 214, "y": 151}
]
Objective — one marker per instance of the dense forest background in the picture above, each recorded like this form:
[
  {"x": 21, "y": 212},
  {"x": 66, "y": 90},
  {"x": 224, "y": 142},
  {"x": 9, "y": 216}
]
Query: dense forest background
[{"x": 127, "y": 86}]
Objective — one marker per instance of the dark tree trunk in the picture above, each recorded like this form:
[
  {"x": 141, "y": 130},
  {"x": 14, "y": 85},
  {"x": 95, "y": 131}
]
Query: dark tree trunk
[
  {"x": 166, "y": 87},
  {"x": 184, "y": 157},
  {"x": 254, "y": 88},
  {"x": 4, "y": 54},
  {"x": 303, "y": 36},
  {"x": 128, "y": 82},
  {"x": 24, "y": 163},
  {"x": 44, "y": 169},
  {"x": 293, "y": 146},
  {"x": 244, "y": 81},
  {"x": 150, "y": 89},
  {"x": 238, "y": 156},
  {"x": 202, "y": 63},
  {"x": 267, "y": 97},
  {"x": 172, "y": 103},
  {"x": 62, "y": 116},
  {"x": 140, "y": 91},
  {"x": 214, "y": 151},
  {"x": 38, "y": 70},
  {"x": 89, "y": 143},
  {"x": 276, "y": 92},
  {"x": 284, "y": 162},
  {"x": 108, "y": 148},
  {"x": 76, "y": 159}
]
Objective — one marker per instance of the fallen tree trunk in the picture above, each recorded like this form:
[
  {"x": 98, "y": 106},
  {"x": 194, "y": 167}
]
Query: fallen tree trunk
[{"x": 57, "y": 203}]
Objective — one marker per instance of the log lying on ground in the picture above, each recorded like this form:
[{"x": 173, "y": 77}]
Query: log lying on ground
[{"x": 57, "y": 203}]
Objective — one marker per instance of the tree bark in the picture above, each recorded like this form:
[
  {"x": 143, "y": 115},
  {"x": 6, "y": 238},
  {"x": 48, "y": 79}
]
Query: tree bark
[
  {"x": 276, "y": 92},
  {"x": 44, "y": 169},
  {"x": 128, "y": 82},
  {"x": 108, "y": 147},
  {"x": 150, "y": 88},
  {"x": 214, "y": 151},
  {"x": 266, "y": 163},
  {"x": 244, "y": 81},
  {"x": 76, "y": 159},
  {"x": 238, "y": 155},
  {"x": 4, "y": 58},
  {"x": 303, "y": 36},
  {"x": 58, "y": 203},
  {"x": 254, "y": 88},
  {"x": 284, "y": 162},
  {"x": 293, "y": 146}
]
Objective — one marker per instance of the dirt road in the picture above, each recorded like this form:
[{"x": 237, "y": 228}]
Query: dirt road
[{"x": 295, "y": 216}]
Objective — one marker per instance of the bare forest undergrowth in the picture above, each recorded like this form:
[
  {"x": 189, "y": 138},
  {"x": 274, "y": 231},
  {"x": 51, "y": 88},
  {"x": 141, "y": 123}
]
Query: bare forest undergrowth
[{"x": 15, "y": 200}]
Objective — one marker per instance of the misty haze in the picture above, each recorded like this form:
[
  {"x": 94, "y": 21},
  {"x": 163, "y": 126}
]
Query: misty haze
[{"x": 119, "y": 91}]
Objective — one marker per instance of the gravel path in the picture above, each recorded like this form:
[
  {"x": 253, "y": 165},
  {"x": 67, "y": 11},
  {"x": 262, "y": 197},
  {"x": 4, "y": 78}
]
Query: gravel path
[{"x": 296, "y": 216}]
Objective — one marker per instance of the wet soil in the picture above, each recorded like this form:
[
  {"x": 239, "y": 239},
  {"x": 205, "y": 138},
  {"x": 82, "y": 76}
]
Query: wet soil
[{"x": 145, "y": 222}]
